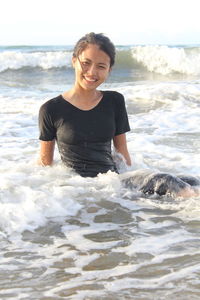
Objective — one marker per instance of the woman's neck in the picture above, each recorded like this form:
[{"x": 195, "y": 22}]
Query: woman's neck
[
  {"x": 79, "y": 94},
  {"x": 83, "y": 99},
  {"x": 84, "y": 95}
]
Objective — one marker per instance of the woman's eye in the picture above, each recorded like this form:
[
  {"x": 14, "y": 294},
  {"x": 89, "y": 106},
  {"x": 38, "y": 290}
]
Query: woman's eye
[
  {"x": 85, "y": 63},
  {"x": 102, "y": 67}
]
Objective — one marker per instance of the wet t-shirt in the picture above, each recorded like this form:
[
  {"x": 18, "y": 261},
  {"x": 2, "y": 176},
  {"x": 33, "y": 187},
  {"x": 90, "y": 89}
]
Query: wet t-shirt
[{"x": 84, "y": 136}]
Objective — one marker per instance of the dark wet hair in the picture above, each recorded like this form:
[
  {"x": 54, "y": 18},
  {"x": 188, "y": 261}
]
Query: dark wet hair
[{"x": 99, "y": 39}]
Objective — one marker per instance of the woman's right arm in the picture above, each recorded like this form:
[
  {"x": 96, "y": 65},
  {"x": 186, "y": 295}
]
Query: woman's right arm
[{"x": 46, "y": 153}]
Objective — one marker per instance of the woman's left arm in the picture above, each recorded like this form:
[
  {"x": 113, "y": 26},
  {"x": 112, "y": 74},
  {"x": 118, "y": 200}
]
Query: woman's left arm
[{"x": 120, "y": 145}]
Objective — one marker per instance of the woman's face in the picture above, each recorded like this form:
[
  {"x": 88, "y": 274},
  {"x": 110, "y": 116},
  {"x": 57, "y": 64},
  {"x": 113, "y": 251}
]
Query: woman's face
[{"x": 92, "y": 67}]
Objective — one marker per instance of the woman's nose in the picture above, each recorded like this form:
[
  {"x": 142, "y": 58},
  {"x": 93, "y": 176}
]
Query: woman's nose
[{"x": 91, "y": 69}]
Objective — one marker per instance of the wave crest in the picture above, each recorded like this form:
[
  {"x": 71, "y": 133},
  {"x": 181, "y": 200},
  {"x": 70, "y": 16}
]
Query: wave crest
[
  {"x": 166, "y": 60},
  {"x": 45, "y": 60},
  {"x": 163, "y": 60}
]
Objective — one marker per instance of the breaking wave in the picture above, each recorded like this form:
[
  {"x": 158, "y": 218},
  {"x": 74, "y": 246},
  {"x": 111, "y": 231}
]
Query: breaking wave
[{"x": 163, "y": 60}]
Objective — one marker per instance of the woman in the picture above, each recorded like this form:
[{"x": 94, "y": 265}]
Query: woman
[{"x": 84, "y": 121}]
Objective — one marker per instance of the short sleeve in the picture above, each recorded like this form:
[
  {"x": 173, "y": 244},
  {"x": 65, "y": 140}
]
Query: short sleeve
[
  {"x": 46, "y": 124},
  {"x": 121, "y": 117}
]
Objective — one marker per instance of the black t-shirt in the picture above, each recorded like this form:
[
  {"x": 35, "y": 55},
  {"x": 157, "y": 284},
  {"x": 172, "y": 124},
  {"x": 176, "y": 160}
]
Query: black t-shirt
[{"x": 84, "y": 136}]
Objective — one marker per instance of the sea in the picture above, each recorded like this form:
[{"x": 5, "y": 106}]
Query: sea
[{"x": 67, "y": 237}]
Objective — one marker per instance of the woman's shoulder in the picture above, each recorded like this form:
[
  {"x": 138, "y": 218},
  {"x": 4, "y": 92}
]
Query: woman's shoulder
[
  {"x": 116, "y": 98},
  {"x": 51, "y": 103},
  {"x": 114, "y": 94}
]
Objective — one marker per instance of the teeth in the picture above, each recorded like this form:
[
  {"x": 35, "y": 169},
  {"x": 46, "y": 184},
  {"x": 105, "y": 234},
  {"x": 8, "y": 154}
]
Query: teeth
[{"x": 89, "y": 79}]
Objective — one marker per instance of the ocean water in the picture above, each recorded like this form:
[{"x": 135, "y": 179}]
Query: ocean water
[{"x": 67, "y": 237}]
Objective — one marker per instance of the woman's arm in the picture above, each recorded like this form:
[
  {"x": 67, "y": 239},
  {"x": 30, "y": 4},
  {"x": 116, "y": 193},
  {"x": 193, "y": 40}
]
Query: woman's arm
[
  {"x": 120, "y": 145},
  {"x": 46, "y": 153}
]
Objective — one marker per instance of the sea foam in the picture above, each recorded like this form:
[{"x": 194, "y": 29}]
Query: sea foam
[{"x": 166, "y": 60}]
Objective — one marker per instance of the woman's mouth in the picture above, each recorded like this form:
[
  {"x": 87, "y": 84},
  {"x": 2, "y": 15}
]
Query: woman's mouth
[{"x": 90, "y": 80}]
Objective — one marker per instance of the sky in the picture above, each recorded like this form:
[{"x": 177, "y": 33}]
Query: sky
[{"x": 125, "y": 22}]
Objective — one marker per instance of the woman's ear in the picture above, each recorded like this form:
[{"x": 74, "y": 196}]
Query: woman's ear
[{"x": 73, "y": 61}]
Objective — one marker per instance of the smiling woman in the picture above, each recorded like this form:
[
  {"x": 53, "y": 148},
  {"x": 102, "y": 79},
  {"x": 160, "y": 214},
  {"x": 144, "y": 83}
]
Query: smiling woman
[
  {"x": 92, "y": 68},
  {"x": 84, "y": 120}
]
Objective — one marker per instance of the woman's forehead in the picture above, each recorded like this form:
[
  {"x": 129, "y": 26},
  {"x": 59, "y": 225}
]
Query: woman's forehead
[{"x": 93, "y": 52}]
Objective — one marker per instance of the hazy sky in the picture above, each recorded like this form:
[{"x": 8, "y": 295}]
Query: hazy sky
[{"x": 62, "y": 22}]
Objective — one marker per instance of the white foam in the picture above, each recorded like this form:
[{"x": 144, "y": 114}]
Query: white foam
[
  {"x": 28, "y": 200},
  {"x": 165, "y": 281},
  {"x": 166, "y": 60},
  {"x": 165, "y": 124},
  {"x": 156, "y": 244},
  {"x": 44, "y": 60}
]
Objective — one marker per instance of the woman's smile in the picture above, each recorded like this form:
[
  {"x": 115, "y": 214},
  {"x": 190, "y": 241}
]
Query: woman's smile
[{"x": 89, "y": 79}]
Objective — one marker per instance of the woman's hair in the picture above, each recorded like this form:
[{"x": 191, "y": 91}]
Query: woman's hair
[{"x": 99, "y": 39}]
